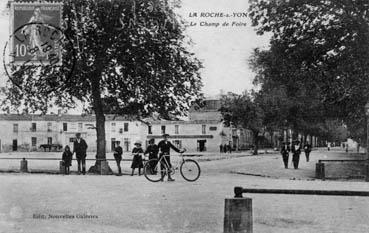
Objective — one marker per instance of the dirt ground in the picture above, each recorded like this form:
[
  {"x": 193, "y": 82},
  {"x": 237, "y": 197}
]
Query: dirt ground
[{"x": 132, "y": 204}]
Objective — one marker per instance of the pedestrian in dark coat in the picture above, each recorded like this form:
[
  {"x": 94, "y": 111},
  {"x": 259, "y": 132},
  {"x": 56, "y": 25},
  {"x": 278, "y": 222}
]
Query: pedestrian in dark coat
[
  {"x": 307, "y": 149},
  {"x": 80, "y": 148},
  {"x": 118, "y": 151},
  {"x": 285, "y": 150},
  {"x": 229, "y": 148},
  {"x": 67, "y": 159},
  {"x": 152, "y": 150},
  {"x": 164, "y": 148},
  {"x": 221, "y": 148},
  {"x": 137, "y": 153},
  {"x": 296, "y": 151}
]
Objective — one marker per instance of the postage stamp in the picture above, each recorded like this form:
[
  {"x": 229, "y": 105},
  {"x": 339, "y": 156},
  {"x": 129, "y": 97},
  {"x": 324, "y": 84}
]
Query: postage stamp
[{"x": 35, "y": 36}]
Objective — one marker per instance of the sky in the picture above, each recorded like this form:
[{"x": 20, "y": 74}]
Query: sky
[{"x": 224, "y": 51}]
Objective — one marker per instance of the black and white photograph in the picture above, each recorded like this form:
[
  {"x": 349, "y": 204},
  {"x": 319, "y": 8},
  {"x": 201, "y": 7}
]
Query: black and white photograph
[{"x": 184, "y": 116}]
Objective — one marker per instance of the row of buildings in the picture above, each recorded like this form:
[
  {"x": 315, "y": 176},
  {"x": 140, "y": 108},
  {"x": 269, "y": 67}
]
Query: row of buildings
[{"x": 203, "y": 131}]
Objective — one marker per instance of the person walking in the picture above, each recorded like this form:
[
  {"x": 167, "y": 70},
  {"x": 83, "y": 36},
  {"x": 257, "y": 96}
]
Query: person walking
[
  {"x": 164, "y": 148},
  {"x": 285, "y": 150},
  {"x": 152, "y": 150},
  {"x": 118, "y": 151},
  {"x": 229, "y": 148},
  {"x": 67, "y": 159},
  {"x": 221, "y": 148},
  {"x": 307, "y": 149},
  {"x": 80, "y": 148},
  {"x": 296, "y": 151},
  {"x": 137, "y": 153}
]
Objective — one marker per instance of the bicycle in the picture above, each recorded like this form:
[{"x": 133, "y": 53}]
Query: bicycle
[{"x": 156, "y": 169}]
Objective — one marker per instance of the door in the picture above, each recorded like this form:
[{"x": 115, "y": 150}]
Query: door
[
  {"x": 15, "y": 145},
  {"x": 49, "y": 140},
  {"x": 201, "y": 145},
  {"x": 113, "y": 144}
]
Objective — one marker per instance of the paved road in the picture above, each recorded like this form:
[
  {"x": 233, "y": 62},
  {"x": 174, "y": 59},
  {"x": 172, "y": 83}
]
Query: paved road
[{"x": 132, "y": 204}]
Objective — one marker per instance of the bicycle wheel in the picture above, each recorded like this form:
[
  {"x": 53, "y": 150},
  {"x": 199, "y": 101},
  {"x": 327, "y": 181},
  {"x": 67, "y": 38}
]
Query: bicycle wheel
[
  {"x": 153, "y": 171},
  {"x": 190, "y": 170}
]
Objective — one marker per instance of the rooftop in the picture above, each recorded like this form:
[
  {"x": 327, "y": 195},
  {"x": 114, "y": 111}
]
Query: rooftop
[{"x": 55, "y": 117}]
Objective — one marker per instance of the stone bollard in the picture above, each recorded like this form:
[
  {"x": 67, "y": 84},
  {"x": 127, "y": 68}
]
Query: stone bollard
[
  {"x": 320, "y": 171},
  {"x": 61, "y": 167},
  {"x": 23, "y": 165},
  {"x": 238, "y": 215},
  {"x": 104, "y": 169}
]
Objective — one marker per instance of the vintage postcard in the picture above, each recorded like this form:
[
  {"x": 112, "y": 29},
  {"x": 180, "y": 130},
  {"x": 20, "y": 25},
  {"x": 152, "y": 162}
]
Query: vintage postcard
[{"x": 229, "y": 116}]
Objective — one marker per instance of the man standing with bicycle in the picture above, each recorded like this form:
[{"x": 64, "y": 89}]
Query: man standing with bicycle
[{"x": 164, "y": 148}]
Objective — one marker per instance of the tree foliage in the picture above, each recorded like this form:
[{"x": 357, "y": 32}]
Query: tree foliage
[
  {"x": 242, "y": 111},
  {"x": 319, "y": 54}
]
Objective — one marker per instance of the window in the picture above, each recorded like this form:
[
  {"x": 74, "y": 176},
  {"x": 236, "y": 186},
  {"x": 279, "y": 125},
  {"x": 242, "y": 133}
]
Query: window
[
  {"x": 65, "y": 127},
  {"x": 176, "y": 129},
  {"x": 127, "y": 144},
  {"x": 49, "y": 140},
  {"x": 203, "y": 129},
  {"x": 80, "y": 127},
  {"x": 113, "y": 127},
  {"x": 125, "y": 127},
  {"x": 34, "y": 141},
  {"x": 121, "y": 131},
  {"x": 149, "y": 129},
  {"x": 163, "y": 129},
  {"x": 178, "y": 144},
  {"x": 72, "y": 139},
  {"x": 15, "y": 128},
  {"x": 33, "y": 128},
  {"x": 49, "y": 126},
  {"x": 213, "y": 128}
]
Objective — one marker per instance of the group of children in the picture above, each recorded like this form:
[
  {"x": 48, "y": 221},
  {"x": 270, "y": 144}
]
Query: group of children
[{"x": 137, "y": 161}]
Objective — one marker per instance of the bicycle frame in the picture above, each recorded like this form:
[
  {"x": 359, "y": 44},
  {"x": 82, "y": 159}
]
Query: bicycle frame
[{"x": 168, "y": 168}]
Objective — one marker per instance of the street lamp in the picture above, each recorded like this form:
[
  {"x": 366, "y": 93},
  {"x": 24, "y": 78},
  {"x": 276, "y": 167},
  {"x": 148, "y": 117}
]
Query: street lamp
[{"x": 367, "y": 141}]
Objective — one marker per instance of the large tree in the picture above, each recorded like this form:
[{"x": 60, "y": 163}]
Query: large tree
[
  {"x": 132, "y": 58},
  {"x": 321, "y": 46}
]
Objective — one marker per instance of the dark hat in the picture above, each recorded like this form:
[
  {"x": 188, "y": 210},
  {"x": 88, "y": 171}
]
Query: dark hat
[
  {"x": 152, "y": 140},
  {"x": 165, "y": 135},
  {"x": 78, "y": 134}
]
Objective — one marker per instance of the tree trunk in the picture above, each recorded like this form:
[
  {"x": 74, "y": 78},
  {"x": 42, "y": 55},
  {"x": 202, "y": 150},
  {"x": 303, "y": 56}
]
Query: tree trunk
[
  {"x": 101, "y": 165},
  {"x": 256, "y": 141},
  {"x": 100, "y": 121}
]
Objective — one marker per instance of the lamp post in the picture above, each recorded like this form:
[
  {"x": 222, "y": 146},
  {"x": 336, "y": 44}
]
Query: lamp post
[{"x": 367, "y": 141}]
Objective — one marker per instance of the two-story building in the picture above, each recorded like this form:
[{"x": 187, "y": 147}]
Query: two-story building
[
  {"x": 199, "y": 135},
  {"x": 28, "y": 132}
]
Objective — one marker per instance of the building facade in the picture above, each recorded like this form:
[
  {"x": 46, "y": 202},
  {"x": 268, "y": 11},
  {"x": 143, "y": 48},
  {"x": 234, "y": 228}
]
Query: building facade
[
  {"x": 203, "y": 131},
  {"x": 201, "y": 135},
  {"x": 29, "y": 132}
]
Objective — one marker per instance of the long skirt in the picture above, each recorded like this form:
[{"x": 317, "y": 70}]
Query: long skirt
[{"x": 137, "y": 162}]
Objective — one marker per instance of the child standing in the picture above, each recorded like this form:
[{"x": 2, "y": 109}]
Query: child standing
[
  {"x": 137, "y": 153},
  {"x": 67, "y": 159}
]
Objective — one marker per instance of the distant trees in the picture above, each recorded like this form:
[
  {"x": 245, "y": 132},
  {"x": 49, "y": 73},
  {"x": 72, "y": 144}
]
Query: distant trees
[
  {"x": 241, "y": 111},
  {"x": 318, "y": 59}
]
